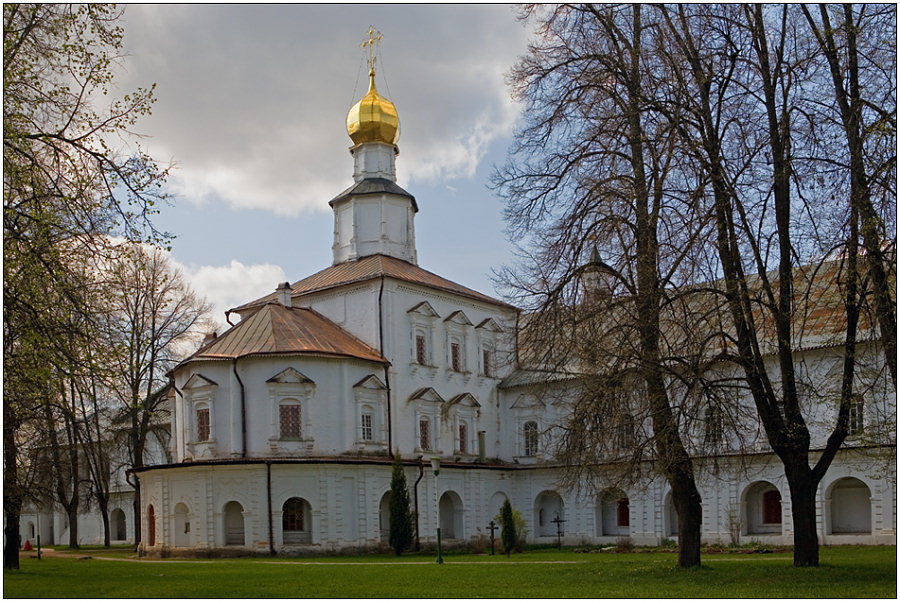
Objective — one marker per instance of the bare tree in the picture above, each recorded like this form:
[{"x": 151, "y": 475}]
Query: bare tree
[
  {"x": 746, "y": 125},
  {"x": 153, "y": 316},
  {"x": 591, "y": 185}
]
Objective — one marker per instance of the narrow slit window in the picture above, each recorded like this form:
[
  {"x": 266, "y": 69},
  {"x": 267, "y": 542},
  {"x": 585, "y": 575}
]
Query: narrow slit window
[
  {"x": 366, "y": 427},
  {"x": 424, "y": 434}
]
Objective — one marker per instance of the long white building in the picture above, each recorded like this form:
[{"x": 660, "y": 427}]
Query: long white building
[{"x": 283, "y": 427}]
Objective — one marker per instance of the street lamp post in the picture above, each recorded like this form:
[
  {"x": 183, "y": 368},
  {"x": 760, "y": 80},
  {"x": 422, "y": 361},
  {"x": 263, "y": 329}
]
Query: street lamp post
[{"x": 436, "y": 467}]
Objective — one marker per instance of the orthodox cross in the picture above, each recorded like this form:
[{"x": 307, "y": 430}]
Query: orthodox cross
[
  {"x": 374, "y": 37},
  {"x": 492, "y": 526},
  {"x": 559, "y": 521}
]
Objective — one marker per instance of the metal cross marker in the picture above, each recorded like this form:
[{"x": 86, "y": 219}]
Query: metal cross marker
[
  {"x": 492, "y": 526},
  {"x": 559, "y": 521},
  {"x": 374, "y": 37}
]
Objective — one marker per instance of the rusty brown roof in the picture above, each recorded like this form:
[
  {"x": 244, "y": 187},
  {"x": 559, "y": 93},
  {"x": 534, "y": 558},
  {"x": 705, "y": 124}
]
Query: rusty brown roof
[
  {"x": 276, "y": 329},
  {"x": 369, "y": 268}
]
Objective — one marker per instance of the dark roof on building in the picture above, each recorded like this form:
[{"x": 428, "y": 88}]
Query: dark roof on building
[{"x": 374, "y": 186}]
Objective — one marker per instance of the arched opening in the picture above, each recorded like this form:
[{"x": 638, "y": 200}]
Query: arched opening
[
  {"x": 548, "y": 507},
  {"x": 181, "y": 526},
  {"x": 763, "y": 509},
  {"x": 384, "y": 517},
  {"x": 670, "y": 517},
  {"x": 296, "y": 521},
  {"x": 613, "y": 514},
  {"x": 494, "y": 506},
  {"x": 451, "y": 510},
  {"x": 234, "y": 524},
  {"x": 117, "y": 518},
  {"x": 851, "y": 507},
  {"x": 151, "y": 526}
]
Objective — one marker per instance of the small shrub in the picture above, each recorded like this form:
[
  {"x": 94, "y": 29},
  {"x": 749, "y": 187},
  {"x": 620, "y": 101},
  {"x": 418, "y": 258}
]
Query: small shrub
[
  {"x": 479, "y": 543},
  {"x": 624, "y": 545},
  {"x": 667, "y": 543}
]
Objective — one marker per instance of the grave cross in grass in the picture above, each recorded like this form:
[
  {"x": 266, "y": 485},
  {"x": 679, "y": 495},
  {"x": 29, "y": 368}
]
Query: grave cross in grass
[
  {"x": 559, "y": 530},
  {"x": 492, "y": 526}
]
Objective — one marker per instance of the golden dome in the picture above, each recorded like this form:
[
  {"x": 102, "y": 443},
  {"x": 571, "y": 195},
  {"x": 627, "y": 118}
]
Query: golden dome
[{"x": 374, "y": 118}]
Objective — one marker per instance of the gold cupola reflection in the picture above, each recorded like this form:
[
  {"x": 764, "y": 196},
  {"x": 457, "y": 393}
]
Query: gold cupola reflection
[{"x": 373, "y": 118}]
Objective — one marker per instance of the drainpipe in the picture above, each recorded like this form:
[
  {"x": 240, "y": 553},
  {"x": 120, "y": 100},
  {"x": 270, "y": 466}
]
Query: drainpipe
[
  {"x": 243, "y": 409},
  {"x": 175, "y": 417},
  {"x": 387, "y": 377},
  {"x": 269, "y": 497},
  {"x": 416, "y": 496}
]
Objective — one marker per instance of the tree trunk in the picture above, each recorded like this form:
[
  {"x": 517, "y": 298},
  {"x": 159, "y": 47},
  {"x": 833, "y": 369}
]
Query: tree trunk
[
  {"x": 104, "y": 514},
  {"x": 12, "y": 499},
  {"x": 690, "y": 517},
  {"x": 803, "y": 509},
  {"x": 72, "y": 514}
]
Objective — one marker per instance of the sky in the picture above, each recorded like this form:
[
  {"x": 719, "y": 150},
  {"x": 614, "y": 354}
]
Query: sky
[{"x": 251, "y": 108}]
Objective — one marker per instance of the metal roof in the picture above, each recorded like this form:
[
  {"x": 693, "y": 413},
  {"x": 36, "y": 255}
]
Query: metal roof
[
  {"x": 369, "y": 268},
  {"x": 276, "y": 329}
]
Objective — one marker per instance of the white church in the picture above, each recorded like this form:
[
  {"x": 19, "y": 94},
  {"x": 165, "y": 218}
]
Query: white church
[{"x": 283, "y": 428}]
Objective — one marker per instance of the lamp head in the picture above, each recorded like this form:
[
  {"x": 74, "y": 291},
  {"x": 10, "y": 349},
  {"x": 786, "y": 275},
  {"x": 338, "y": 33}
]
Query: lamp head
[{"x": 436, "y": 465}]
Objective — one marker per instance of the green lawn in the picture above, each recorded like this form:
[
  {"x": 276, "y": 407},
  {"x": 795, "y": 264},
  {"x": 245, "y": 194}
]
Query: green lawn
[{"x": 859, "y": 572}]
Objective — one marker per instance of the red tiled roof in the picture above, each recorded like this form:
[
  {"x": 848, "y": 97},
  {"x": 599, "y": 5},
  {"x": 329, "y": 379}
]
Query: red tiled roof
[
  {"x": 276, "y": 329},
  {"x": 369, "y": 268}
]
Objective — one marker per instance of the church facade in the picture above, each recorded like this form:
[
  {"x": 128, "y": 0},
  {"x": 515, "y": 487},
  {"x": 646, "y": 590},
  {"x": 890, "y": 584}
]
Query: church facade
[{"x": 283, "y": 428}]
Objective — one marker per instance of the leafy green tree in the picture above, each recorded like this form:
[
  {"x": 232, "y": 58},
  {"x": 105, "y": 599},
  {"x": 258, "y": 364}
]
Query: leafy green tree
[
  {"x": 401, "y": 536},
  {"x": 507, "y": 527},
  {"x": 68, "y": 188}
]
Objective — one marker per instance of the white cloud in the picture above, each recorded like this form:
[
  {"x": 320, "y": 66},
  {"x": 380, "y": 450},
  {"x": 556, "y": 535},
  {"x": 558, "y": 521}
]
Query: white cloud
[{"x": 228, "y": 286}]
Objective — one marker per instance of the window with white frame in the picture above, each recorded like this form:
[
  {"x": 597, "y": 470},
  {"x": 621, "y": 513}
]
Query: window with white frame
[
  {"x": 424, "y": 433},
  {"x": 289, "y": 397},
  {"x": 422, "y": 319},
  {"x": 488, "y": 333},
  {"x": 456, "y": 363},
  {"x": 366, "y": 425},
  {"x": 530, "y": 438},
  {"x": 457, "y": 326},
  {"x": 202, "y": 423},
  {"x": 371, "y": 402},
  {"x": 421, "y": 348},
  {"x": 199, "y": 415}
]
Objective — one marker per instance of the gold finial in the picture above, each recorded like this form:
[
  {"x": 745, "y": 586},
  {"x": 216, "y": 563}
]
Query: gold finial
[{"x": 374, "y": 37}]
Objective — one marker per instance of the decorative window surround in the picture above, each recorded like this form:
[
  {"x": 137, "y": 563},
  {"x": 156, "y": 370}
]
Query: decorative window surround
[
  {"x": 370, "y": 395},
  {"x": 457, "y": 326},
  {"x": 290, "y": 387},
  {"x": 528, "y": 408},
  {"x": 460, "y": 411},
  {"x": 199, "y": 394},
  {"x": 427, "y": 405},
  {"x": 488, "y": 333},
  {"x": 422, "y": 320}
]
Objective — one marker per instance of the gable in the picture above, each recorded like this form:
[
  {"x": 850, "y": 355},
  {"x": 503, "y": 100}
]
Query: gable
[
  {"x": 423, "y": 309},
  {"x": 371, "y": 382},
  {"x": 458, "y": 317},
  {"x": 426, "y": 394},
  {"x": 529, "y": 402},
  {"x": 290, "y": 376},
  {"x": 489, "y": 325},
  {"x": 465, "y": 400},
  {"x": 197, "y": 381}
]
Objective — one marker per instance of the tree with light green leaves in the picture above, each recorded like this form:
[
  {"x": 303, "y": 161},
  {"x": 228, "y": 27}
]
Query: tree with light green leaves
[{"x": 74, "y": 178}]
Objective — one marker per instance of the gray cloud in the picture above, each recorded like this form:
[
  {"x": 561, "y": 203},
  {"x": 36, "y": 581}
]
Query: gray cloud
[{"x": 252, "y": 99}]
